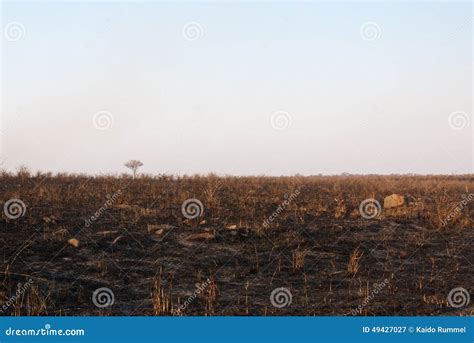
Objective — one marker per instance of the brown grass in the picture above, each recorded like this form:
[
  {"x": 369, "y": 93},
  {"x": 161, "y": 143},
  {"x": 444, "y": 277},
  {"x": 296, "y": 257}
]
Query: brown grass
[{"x": 144, "y": 249}]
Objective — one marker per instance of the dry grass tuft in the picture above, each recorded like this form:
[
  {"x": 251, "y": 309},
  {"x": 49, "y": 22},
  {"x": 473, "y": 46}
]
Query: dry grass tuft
[{"x": 353, "y": 265}]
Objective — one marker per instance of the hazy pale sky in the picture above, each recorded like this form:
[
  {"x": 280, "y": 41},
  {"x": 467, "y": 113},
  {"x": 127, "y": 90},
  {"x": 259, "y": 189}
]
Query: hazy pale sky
[{"x": 238, "y": 88}]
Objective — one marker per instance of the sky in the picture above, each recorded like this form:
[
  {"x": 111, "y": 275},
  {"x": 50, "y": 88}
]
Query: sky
[{"x": 240, "y": 88}]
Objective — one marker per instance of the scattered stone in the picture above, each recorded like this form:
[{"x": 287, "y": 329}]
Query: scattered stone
[
  {"x": 157, "y": 227},
  {"x": 160, "y": 231},
  {"x": 202, "y": 222},
  {"x": 394, "y": 200},
  {"x": 74, "y": 242},
  {"x": 204, "y": 236},
  {"x": 231, "y": 227}
]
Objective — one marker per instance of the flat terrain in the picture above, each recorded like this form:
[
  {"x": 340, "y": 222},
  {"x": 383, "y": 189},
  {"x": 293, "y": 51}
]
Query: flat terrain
[{"x": 252, "y": 235}]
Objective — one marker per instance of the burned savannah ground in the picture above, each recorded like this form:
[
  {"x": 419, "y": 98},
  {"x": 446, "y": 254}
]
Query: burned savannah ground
[{"x": 301, "y": 238}]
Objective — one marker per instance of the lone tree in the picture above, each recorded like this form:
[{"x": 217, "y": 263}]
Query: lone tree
[{"x": 133, "y": 165}]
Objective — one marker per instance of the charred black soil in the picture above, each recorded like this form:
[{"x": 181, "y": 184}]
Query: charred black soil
[{"x": 305, "y": 235}]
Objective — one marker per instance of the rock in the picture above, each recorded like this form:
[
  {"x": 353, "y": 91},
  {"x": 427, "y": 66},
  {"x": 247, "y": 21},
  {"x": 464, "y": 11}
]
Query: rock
[
  {"x": 394, "y": 200},
  {"x": 160, "y": 231},
  {"x": 74, "y": 242},
  {"x": 157, "y": 227},
  {"x": 204, "y": 236},
  {"x": 231, "y": 227}
]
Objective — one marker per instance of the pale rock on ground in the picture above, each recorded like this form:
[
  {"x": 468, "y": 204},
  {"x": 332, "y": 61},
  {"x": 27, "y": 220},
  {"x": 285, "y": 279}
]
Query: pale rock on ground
[
  {"x": 74, "y": 242},
  {"x": 394, "y": 200}
]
